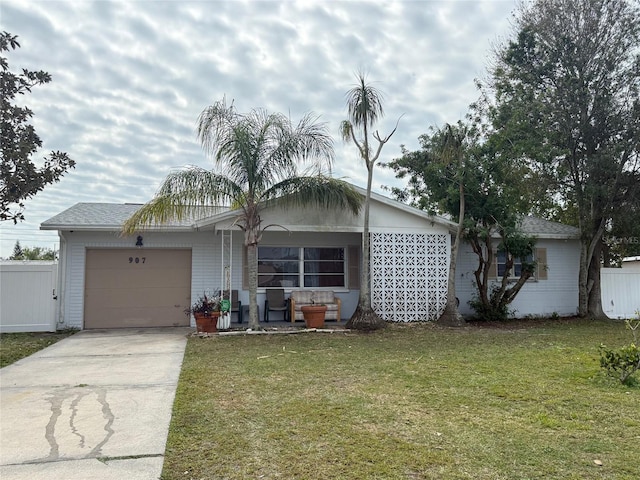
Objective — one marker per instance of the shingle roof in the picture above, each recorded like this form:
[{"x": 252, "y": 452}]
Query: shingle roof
[
  {"x": 93, "y": 214},
  {"x": 109, "y": 216},
  {"x": 539, "y": 227}
]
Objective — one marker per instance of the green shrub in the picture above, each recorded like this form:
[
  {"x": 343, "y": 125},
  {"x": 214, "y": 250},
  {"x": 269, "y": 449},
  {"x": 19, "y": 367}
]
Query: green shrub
[
  {"x": 625, "y": 361},
  {"x": 621, "y": 363},
  {"x": 494, "y": 310}
]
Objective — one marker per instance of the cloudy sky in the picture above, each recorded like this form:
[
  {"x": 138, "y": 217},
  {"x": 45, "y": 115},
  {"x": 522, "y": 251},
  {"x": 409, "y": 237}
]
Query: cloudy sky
[{"x": 130, "y": 79}]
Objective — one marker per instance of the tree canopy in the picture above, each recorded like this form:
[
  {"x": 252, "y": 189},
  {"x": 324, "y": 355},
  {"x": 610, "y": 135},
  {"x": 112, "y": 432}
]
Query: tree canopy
[
  {"x": 20, "y": 177},
  {"x": 32, "y": 253},
  {"x": 567, "y": 97},
  {"x": 459, "y": 173}
]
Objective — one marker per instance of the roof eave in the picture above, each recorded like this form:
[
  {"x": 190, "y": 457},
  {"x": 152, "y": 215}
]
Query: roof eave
[
  {"x": 115, "y": 228},
  {"x": 553, "y": 236},
  {"x": 547, "y": 236},
  {"x": 214, "y": 219}
]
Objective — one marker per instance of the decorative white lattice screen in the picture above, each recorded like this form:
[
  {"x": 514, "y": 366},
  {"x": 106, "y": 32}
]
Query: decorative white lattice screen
[{"x": 409, "y": 273}]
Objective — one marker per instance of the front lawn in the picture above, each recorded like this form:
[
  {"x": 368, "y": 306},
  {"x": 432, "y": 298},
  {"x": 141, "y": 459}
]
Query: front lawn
[
  {"x": 411, "y": 402},
  {"x": 14, "y": 346}
]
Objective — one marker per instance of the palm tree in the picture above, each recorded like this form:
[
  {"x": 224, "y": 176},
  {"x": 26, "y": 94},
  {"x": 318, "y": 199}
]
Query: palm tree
[
  {"x": 256, "y": 157},
  {"x": 364, "y": 104}
]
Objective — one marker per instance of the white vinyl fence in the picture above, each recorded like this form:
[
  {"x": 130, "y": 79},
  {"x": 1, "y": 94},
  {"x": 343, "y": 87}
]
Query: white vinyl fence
[
  {"x": 620, "y": 292},
  {"x": 27, "y": 296}
]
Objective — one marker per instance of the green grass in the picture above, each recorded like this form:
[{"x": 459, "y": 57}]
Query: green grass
[
  {"x": 14, "y": 346},
  {"x": 411, "y": 402}
]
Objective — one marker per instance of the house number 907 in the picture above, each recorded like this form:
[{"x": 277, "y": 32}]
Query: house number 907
[{"x": 137, "y": 259}]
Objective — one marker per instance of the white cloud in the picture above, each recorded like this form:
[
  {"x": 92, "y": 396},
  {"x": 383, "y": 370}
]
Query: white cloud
[{"x": 130, "y": 79}]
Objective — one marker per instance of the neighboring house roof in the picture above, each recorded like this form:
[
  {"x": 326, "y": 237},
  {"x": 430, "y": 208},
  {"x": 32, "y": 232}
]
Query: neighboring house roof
[{"x": 631, "y": 259}]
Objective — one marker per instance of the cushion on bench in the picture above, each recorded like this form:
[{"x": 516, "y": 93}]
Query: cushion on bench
[
  {"x": 300, "y": 298},
  {"x": 323, "y": 296}
]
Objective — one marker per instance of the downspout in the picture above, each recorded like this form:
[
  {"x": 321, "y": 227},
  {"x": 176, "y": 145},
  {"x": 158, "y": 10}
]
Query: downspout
[{"x": 62, "y": 277}]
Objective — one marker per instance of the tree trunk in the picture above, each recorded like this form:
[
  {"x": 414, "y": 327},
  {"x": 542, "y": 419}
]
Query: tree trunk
[
  {"x": 482, "y": 272},
  {"x": 365, "y": 318},
  {"x": 583, "y": 296},
  {"x": 451, "y": 315},
  {"x": 364, "y": 301},
  {"x": 252, "y": 260},
  {"x": 589, "y": 286},
  {"x": 594, "y": 299}
]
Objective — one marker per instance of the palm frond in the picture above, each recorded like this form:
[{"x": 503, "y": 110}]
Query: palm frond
[
  {"x": 184, "y": 194},
  {"x": 256, "y": 158},
  {"x": 364, "y": 103},
  {"x": 319, "y": 191},
  {"x": 215, "y": 124},
  {"x": 346, "y": 130},
  {"x": 313, "y": 140},
  {"x": 259, "y": 149}
]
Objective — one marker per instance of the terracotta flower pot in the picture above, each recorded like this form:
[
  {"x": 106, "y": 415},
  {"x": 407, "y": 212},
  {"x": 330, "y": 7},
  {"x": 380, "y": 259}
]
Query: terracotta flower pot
[
  {"x": 207, "y": 323},
  {"x": 314, "y": 315}
]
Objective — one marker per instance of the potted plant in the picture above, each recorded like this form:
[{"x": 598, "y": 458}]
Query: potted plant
[
  {"x": 206, "y": 311},
  {"x": 314, "y": 315}
]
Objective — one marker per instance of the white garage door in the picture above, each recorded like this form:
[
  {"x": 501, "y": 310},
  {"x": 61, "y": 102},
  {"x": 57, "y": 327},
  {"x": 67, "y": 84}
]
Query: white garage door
[{"x": 137, "y": 288}]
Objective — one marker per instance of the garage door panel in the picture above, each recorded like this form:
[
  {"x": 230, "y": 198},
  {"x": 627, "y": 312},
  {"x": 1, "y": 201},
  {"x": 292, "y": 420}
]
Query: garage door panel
[
  {"x": 137, "y": 317},
  {"x": 143, "y": 297},
  {"x": 130, "y": 259},
  {"x": 137, "y": 288},
  {"x": 144, "y": 278}
]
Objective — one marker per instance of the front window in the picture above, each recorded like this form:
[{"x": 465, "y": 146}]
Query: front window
[
  {"x": 324, "y": 267},
  {"x": 301, "y": 266},
  {"x": 516, "y": 271},
  {"x": 278, "y": 267}
]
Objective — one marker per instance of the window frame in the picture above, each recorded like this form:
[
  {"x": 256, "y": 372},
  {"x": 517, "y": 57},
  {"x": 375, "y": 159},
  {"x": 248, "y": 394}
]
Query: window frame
[
  {"x": 302, "y": 274},
  {"x": 295, "y": 262},
  {"x": 517, "y": 262}
]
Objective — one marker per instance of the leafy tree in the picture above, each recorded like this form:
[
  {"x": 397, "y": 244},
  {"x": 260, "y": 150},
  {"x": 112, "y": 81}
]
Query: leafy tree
[
  {"x": 567, "y": 96},
  {"x": 364, "y": 104},
  {"x": 32, "y": 253},
  {"x": 17, "y": 252},
  {"x": 441, "y": 160},
  {"x": 455, "y": 173},
  {"x": 622, "y": 236},
  {"x": 494, "y": 298},
  {"x": 255, "y": 156},
  {"x": 20, "y": 178}
]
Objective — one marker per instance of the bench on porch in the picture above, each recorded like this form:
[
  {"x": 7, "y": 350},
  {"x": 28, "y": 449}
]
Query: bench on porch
[{"x": 300, "y": 298}]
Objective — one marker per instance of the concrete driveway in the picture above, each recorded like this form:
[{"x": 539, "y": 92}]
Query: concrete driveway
[{"x": 95, "y": 405}]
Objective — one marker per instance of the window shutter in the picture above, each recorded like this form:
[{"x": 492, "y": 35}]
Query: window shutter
[
  {"x": 245, "y": 269},
  {"x": 541, "y": 257},
  {"x": 354, "y": 267},
  {"x": 493, "y": 268}
]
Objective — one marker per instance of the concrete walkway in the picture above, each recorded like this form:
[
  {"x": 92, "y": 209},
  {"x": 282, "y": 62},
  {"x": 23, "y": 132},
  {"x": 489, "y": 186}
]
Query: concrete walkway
[{"x": 95, "y": 405}]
